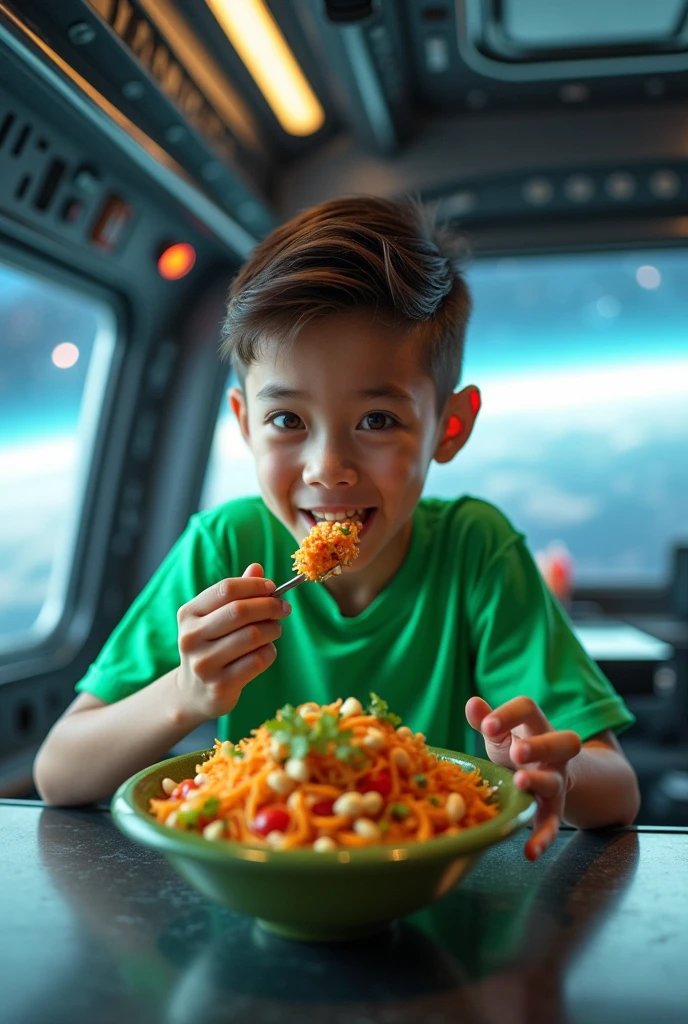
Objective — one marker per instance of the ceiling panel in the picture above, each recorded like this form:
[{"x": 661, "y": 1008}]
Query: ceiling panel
[{"x": 561, "y": 23}]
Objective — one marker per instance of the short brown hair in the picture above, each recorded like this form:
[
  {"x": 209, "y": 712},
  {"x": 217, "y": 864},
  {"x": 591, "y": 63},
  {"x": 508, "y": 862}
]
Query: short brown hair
[{"x": 357, "y": 252}]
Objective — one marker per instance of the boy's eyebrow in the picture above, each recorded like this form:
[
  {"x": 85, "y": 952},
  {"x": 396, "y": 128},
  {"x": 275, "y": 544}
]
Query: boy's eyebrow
[
  {"x": 272, "y": 392},
  {"x": 392, "y": 391}
]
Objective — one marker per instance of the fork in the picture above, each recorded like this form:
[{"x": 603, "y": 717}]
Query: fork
[{"x": 301, "y": 578}]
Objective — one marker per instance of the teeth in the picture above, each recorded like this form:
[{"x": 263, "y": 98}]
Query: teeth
[{"x": 337, "y": 517}]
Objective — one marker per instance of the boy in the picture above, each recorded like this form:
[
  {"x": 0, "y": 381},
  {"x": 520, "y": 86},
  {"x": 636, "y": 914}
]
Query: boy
[{"x": 346, "y": 330}]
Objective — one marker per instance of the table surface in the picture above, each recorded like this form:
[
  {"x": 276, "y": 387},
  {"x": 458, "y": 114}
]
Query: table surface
[
  {"x": 607, "y": 640},
  {"x": 97, "y": 929}
]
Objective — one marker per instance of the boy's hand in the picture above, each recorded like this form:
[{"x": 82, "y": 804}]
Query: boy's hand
[
  {"x": 225, "y": 639},
  {"x": 517, "y": 734}
]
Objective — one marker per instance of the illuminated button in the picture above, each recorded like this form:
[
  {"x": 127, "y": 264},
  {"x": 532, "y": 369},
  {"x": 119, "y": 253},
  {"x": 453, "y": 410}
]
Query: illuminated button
[
  {"x": 620, "y": 185},
  {"x": 579, "y": 188},
  {"x": 176, "y": 261},
  {"x": 665, "y": 184},
  {"x": 538, "y": 191}
]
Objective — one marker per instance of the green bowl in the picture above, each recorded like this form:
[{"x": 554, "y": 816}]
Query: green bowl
[{"x": 319, "y": 896}]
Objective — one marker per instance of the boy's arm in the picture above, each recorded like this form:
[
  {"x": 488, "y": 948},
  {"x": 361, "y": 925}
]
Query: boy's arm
[
  {"x": 225, "y": 639},
  {"x": 602, "y": 786},
  {"x": 94, "y": 746}
]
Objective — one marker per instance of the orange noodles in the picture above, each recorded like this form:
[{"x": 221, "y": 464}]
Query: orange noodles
[
  {"x": 327, "y": 777},
  {"x": 327, "y": 546}
]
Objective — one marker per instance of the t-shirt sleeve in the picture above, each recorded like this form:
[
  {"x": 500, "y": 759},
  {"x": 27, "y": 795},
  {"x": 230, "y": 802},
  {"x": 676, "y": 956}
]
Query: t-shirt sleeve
[
  {"x": 143, "y": 646},
  {"x": 523, "y": 644}
]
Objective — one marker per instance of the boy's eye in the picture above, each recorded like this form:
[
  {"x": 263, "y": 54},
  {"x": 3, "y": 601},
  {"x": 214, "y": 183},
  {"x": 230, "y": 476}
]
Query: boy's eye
[
  {"x": 287, "y": 421},
  {"x": 377, "y": 421}
]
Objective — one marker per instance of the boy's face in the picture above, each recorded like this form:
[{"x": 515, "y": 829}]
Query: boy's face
[{"x": 344, "y": 421}]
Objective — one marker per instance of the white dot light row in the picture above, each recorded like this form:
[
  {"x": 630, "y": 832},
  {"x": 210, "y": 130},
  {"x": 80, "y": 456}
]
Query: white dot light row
[{"x": 619, "y": 185}]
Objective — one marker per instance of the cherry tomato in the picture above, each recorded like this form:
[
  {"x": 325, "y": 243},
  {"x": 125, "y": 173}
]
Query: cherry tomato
[
  {"x": 379, "y": 782},
  {"x": 181, "y": 791},
  {"x": 323, "y": 808},
  {"x": 271, "y": 819}
]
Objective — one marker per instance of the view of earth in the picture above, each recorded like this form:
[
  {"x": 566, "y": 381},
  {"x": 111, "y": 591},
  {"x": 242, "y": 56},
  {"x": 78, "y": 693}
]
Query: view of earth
[
  {"x": 56, "y": 347},
  {"x": 582, "y": 361}
]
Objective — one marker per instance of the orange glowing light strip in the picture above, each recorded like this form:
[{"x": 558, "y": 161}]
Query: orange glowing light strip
[{"x": 257, "y": 38}]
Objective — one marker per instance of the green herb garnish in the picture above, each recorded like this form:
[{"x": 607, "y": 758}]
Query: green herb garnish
[
  {"x": 290, "y": 729},
  {"x": 300, "y": 738},
  {"x": 326, "y": 731},
  {"x": 380, "y": 709},
  {"x": 399, "y": 811},
  {"x": 345, "y": 530},
  {"x": 435, "y": 801},
  {"x": 419, "y": 780}
]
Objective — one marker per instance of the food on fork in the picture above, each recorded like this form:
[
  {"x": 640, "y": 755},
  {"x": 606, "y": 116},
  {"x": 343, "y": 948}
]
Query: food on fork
[
  {"x": 325, "y": 778},
  {"x": 327, "y": 548}
]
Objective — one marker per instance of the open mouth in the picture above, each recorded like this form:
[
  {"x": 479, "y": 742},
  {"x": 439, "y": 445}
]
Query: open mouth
[{"x": 364, "y": 516}]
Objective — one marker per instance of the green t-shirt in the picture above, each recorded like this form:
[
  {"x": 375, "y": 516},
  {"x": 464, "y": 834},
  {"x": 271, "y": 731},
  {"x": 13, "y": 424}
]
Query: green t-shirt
[{"x": 466, "y": 613}]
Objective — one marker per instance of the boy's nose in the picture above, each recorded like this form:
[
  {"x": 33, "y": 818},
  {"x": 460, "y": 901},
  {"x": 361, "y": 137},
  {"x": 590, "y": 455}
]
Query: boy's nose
[{"x": 328, "y": 468}]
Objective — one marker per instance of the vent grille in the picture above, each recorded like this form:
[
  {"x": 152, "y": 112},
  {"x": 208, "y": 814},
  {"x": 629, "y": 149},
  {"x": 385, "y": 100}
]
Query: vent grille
[
  {"x": 38, "y": 180},
  {"x": 50, "y": 184},
  {"x": 32, "y": 175}
]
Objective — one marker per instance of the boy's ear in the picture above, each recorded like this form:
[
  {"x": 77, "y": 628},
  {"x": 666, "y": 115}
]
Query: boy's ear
[
  {"x": 458, "y": 418},
  {"x": 237, "y": 401}
]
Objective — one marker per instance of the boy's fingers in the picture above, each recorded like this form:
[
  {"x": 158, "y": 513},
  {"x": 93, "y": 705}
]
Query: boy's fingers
[
  {"x": 540, "y": 783},
  {"x": 236, "y": 615},
  {"x": 235, "y": 677},
  {"x": 476, "y": 710},
  {"x": 225, "y": 591},
  {"x": 210, "y": 661},
  {"x": 543, "y": 838},
  {"x": 551, "y": 747},
  {"x": 515, "y": 712},
  {"x": 254, "y": 569}
]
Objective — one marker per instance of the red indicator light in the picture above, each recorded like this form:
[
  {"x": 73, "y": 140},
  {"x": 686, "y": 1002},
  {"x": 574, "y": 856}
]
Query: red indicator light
[{"x": 176, "y": 261}]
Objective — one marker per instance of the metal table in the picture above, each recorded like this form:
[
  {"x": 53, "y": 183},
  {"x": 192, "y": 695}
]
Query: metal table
[{"x": 96, "y": 929}]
